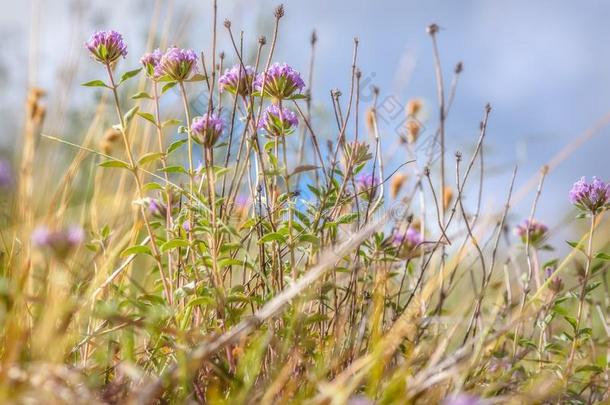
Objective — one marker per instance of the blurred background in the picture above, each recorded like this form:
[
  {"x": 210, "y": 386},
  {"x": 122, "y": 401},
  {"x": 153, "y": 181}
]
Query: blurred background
[{"x": 544, "y": 66}]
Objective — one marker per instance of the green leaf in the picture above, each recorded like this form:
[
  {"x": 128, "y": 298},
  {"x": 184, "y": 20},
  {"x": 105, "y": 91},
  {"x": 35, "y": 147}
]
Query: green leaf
[
  {"x": 196, "y": 78},
  {"x": 114, "y": 163},
  {"x": 129, "y": 115},
  {"x": 204, "y": 301},
  {"x": 128, "y": 75},
  {"x": 602, "y": 256},
  {"x": 347, "y": 218},
  {"x": 150, "y": 157},
  {"x": 95, "y": 83},
  {"x": 299, "y": 97},
  {"x": 174, "y": 243},
  {"x": 273, "y": 236},
  {"x": 142, "y": 94},
  {"x": 152, "y": 186},
  {"x": 169, "y": 123},
  {"x": 309, "y": 238},
  {"x": 167, "y": 87},
  {"x": 176, "y": 145},
  {"x": 148, "y": 117},
  {"x": 222, "y": 263},
  {"x": 174, "y": 169},
  {"x": 590, "y": 367},
  {"x": 134, "y": 250}
]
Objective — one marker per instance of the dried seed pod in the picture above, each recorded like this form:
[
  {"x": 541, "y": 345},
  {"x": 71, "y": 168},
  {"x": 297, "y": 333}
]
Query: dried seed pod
[
  {"x": 414, "y": 106},
  {"x": 447, "y": 197},
  {"x": 397, "y": 182},
  {"x": 413, "y": 128}
]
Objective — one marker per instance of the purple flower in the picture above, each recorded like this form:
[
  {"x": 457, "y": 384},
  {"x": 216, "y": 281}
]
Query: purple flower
[
  {"x": 278, "y": 122},
  {"x": 366, "y": 185},
  {"x": 177, "y": 64},
  {"x": 150, "y": 61},
  {"x": 280, "y": 81},
  {"x": 593, "y": 197},
  {"x": 61, "y": 241},
  {"x": 207, "y": 129},
  {"x": 463, "y": 399},
  {"x": 186, "y": 225},
  {"x": 556, "y": 284},
  {"x": 156, "y": 207},
  {"x": 407, "y": 242},
  {"x": 237, "y": 80},
  {"x": 537, "y": 232},
  {"x": 241, "y": 206},
  {"x": 6, "y": 174},
  {"x": 106, "y": 46}
]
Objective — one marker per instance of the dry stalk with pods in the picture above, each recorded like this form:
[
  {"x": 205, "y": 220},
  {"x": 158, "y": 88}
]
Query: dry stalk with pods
[{"x": 239, "y": 249}]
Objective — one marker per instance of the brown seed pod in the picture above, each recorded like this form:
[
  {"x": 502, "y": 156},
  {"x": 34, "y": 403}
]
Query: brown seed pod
[
  {"x": 413, "y": 128},
  {"x": 447, "y": 196},
  {"x": 397, "y": 182},
  {"x": 414, "y": 106}
]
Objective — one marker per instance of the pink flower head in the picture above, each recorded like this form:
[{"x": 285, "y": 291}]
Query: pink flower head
[
  {"x": 150, "y": 61},
  {"x": 61, "y": 241},
  {"x": 207, "y": 129},
  {"x": 106, "y": 46},
  {"x": 278, "y": 122},
  {"x": 177, "y": 64},
  {"x": 280, "y": 81},
  {"x": 593, "y": 197},
  {"x": 537, "y": 232},
  {"x": 407, "y": 242},
  {"x": 238, "y": 80}
]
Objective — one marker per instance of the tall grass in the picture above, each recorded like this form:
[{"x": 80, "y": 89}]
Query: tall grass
[{"x": 285, "y": 269}]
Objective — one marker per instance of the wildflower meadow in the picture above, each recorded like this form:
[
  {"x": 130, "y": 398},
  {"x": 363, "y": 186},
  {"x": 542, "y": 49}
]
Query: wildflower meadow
[{"x": 212, "y": 240}]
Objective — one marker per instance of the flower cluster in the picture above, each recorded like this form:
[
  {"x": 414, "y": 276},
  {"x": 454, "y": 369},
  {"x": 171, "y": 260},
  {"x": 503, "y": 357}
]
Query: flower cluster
[
  {"x": 207, "y": 129},
  {"x": 106, "y": 46},
  {"x": 278, "y": 121},
  {"x": 150, "y": 61},
  {"x": 407, "y": 242},
  {"x": 537, "y": 232},
  {"x": 366, "y": 185},
  {"x": 60, "y": 242},
  {"x": 177, "y": 64},
  {"x": 238, "y": 80},
  {"x": 280, "y": 81},
  {"x": 592, "y": 197}
]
